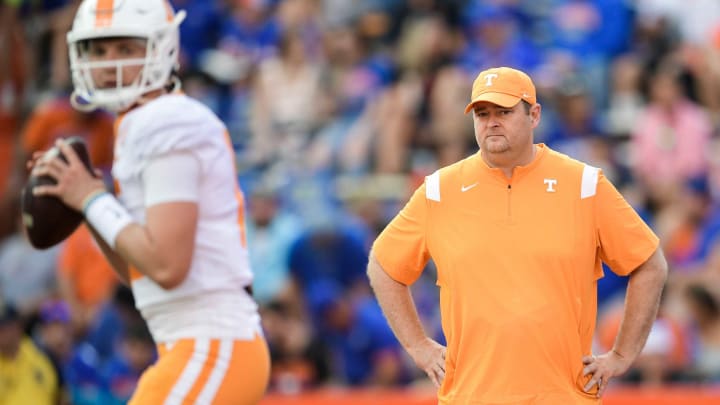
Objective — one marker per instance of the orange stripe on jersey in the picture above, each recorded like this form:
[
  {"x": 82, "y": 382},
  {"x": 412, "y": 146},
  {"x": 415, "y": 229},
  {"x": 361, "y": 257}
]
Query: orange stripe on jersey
[
  {"x": 238, "y": 194},
  {"x": 104, "y": 13},
  {"x": 202, "y": 379},
  {"x": 241, "y": 215},
  {"x": 118, "y": 136},
  {"x": 116, "y": 124},
  {"x": 134, "y": 273}
]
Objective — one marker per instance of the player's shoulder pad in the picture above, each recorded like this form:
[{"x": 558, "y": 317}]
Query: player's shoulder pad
[{"x": 175, "y": 122}]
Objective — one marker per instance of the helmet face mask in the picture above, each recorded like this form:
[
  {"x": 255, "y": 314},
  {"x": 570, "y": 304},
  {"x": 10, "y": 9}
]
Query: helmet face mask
[
  {"x": 124, "y": 76},
  {"x": 150, "y": 21}
]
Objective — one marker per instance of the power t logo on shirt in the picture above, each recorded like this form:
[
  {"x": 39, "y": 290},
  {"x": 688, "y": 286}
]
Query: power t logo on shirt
[{"x": 550, "y": 185}]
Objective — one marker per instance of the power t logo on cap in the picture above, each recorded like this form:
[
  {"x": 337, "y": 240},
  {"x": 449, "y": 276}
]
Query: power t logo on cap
[
  {"x": 502, "y": 86},
  {"x": 489, "y": 78}
]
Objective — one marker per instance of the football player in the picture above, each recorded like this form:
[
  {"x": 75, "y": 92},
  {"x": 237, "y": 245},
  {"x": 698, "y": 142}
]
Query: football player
[{"x": 174, "y": 230}]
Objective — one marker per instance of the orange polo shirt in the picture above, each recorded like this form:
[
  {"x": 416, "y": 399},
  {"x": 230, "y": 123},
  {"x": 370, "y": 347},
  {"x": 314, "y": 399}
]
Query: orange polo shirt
[{"x": 518, "y": 262}]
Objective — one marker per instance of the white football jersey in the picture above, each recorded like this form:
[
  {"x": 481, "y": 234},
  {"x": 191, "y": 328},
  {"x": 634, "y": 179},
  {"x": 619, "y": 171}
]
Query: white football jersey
[{"x": 211, "y": 302}]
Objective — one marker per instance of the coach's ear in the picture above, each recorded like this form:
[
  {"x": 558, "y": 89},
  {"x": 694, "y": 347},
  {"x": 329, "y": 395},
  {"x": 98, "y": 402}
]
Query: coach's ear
[{"x": 535, "y": 114}]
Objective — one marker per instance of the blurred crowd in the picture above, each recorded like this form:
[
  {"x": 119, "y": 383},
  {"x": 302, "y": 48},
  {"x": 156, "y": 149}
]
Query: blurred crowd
[{"x": 337, "y": 109}]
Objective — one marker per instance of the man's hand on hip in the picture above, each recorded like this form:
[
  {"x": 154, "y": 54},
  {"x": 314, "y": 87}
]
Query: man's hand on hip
[
  {"x": 429, "y": 356},
  {"x": 603, "y": 368}
]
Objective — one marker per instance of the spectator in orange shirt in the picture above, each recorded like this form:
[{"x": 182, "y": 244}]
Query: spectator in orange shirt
[
  {"x": 85, "y": 278},
  {"x": 518, "y": 233},
  {"x": 56, "y": 119}
]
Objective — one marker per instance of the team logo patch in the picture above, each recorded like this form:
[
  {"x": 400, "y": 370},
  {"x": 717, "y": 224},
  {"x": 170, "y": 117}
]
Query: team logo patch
[{"x": 550, "y": 183}]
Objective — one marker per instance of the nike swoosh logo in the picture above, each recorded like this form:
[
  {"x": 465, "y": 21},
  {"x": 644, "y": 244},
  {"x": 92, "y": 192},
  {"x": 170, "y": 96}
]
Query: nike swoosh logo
[{"x": 466, "y": 188}]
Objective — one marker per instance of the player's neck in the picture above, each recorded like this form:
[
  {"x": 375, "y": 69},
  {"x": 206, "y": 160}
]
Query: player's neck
[
  {"x": 145, "y": 98},
  {"x": 507, "y": 161}
]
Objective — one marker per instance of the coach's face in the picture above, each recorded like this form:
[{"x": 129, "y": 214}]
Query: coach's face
[{"x": 505, "y": 130}]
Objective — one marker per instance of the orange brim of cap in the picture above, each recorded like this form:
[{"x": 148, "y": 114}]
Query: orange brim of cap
[{"x": 501, "y": 99}]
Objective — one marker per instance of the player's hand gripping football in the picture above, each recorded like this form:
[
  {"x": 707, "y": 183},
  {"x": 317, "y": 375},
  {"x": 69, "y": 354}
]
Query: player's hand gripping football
[
  {"x": 603, "y": 368},
  {"x": 430, "y": 357},
  {"x": 74, "y": 182}
]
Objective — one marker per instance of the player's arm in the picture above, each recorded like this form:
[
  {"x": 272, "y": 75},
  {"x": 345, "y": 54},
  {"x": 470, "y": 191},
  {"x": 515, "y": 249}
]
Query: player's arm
[
  {"x": 118, "y": 264},
  {"x": 162, "y": 248},
  {"x": 399, "y": 309}
]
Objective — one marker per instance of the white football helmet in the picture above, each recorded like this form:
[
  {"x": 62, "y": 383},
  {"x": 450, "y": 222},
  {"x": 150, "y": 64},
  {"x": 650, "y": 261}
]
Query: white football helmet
[{"x": 150, "y": 20}]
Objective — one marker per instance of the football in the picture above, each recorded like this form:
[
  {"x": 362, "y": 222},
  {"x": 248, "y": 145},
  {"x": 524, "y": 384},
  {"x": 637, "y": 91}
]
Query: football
[{"x": 47, "y": 221}]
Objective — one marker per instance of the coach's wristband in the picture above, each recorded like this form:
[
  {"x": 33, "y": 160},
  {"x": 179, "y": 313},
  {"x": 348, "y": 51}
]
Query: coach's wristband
[{"x": 107, "y": 216}]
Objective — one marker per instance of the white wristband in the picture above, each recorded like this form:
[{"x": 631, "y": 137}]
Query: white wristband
[{"x": 107, "y": 216}]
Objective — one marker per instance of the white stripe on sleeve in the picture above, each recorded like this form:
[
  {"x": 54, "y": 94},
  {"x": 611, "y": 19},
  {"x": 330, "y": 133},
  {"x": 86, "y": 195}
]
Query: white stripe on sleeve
[
  {"x": 432, "y": 186},
  {"x": 589, "y": 181}
]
